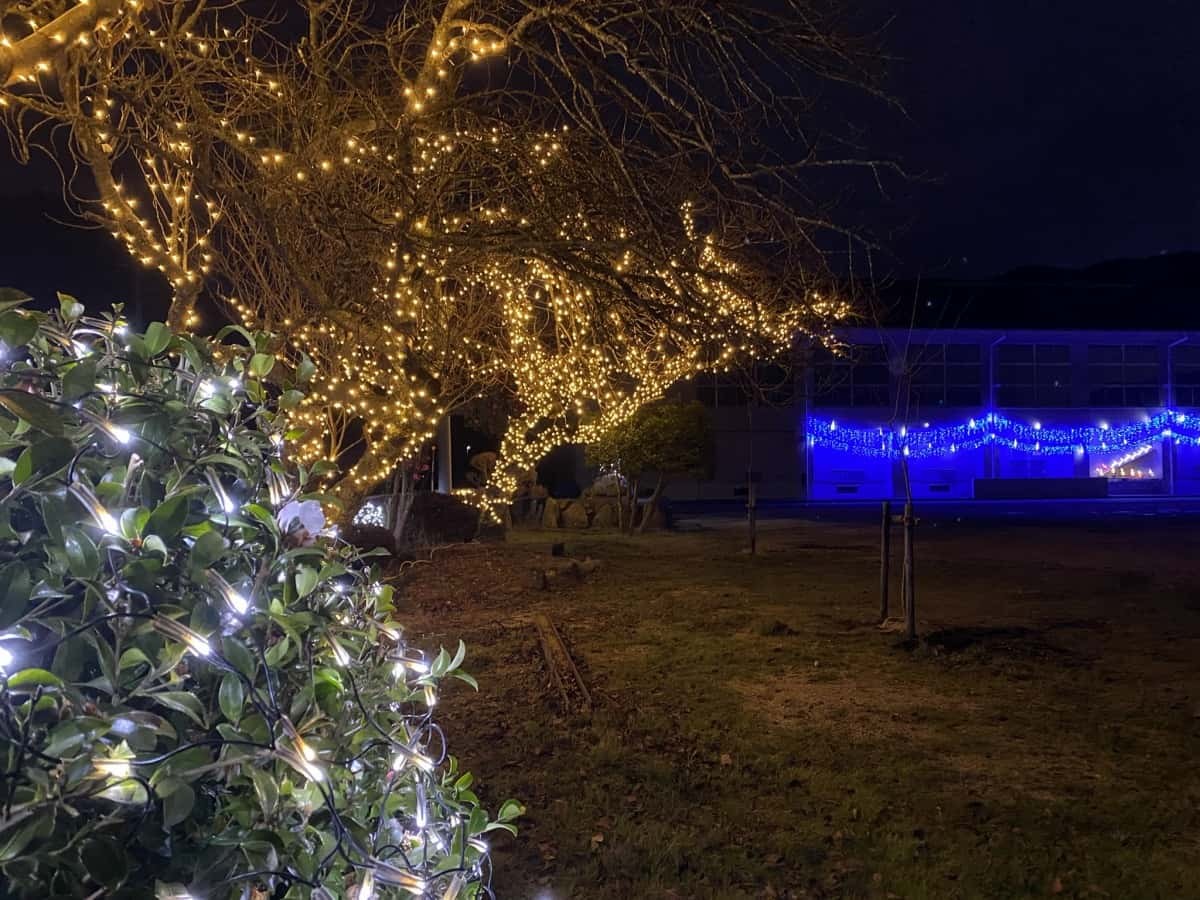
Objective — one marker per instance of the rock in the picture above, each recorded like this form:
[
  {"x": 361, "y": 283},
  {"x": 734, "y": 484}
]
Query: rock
[
  {"x": 574, "y": 515},
  {"x": 606, "y": 516},
  {"x": 608, "y": 485},
  {"x": 550, "y": 514}
]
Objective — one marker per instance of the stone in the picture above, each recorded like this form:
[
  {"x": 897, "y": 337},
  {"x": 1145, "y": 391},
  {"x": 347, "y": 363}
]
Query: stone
[
  {"x": 574, "y": 515},
  {"x": 607, "y": 485},
  {"x": 550, "y": 514},
  {"x": 606, "y": 516}
]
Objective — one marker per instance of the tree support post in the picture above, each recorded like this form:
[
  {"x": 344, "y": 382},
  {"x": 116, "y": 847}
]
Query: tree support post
[
  {"x": 752, "y": 512},
  {"x": 910, "y": 598},
  {"x": 885, "y": 558}
]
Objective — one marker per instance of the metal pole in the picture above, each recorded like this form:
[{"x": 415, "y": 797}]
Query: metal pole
[
  {"x": 445, "y": 458},
  {"x": 885, "y": 557},
  {"x": 910, "y": 598}
]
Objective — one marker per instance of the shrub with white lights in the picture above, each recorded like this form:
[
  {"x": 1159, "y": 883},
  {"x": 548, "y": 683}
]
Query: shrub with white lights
[{"x": 199, "y": 696}]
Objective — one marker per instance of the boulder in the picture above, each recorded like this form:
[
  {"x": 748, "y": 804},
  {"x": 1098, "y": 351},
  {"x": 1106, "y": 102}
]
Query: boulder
[
  {"x": 606, "y": 516},
  {"x": 607, "y": 485},
  {"x": 574, "y": 515},
  {"x": 550, "y": 514}
]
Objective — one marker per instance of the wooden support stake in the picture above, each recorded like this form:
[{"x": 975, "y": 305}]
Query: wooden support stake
[
  {"x": 752, "y": 513},
  {"x": 910, "y": 599},
  {"x": 885, "y": 557}
]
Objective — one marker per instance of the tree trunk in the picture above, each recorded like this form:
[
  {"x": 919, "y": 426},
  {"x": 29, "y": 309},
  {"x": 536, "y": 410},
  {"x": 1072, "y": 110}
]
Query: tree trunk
[
  {"x": 404, "y": 501},
  {"x": 183, "y": 306},
  {"x": 650, "y": 506},
  {"x": 635, "y": 487}
]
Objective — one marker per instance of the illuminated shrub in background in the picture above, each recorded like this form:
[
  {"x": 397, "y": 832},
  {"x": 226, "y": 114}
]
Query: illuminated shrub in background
[{"x": 199, "y": 697}]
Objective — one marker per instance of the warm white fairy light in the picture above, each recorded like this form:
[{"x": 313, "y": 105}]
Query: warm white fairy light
[{"x": 96, "y": 510}]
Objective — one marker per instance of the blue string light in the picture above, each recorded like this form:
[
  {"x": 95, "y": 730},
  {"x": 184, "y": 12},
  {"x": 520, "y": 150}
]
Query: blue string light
[{"x": 993, "y": 429}]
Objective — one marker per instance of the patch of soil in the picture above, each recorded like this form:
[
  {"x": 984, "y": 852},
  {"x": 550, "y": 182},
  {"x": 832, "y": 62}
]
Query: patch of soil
[
  {"x": 1013, "y": 641},
  {"x": 797, "y": 699}
]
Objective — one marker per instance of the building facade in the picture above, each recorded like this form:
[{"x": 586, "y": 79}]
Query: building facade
[{"x": 960, "y": 414}]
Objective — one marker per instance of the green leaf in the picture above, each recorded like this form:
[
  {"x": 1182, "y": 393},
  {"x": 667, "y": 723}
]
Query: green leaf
[
  {"x": 509, "y": 811},
  {"x": 181, "y": 701},
  {"x": 305, "y": 369},
  {"x": 17, "y": 329},
  {"x": 104, "y": 859},
  {"x": 10, "y": 297},
  {"x": 79, "y": 379},
  {"x": 20, "y": 838},
  {"x": 156, "y": 339},
  {"x": 133, "y": 657},
  {"x": 70, "y": 308},
  {"x": 261, "y": 364},
  {"x": 209, "y": 547},
  {"x": 263, "y": 515},
  {"x": 458, "y": 657},
  {"x": 306, "y": 580},
  {"x": 33, "y": 410},
  {"x": 83, "y": 559},
  {"x": 32, "y": 678},
  {"x": 168, "y": 517},
  {"x": 43, "y": 458},
  {"x": 477, "y": 822},
  {"x": 383, "y": 601},
  {"x": 465, "y": 678},
  {"x": 277, "y": 652},
  {"x": 231, "y": 696},
  {"x": 265, "y": 789},
  {"x": 15, "y": 587},
  {"x": 239, "y": 656},
  {"x": 290, "y": 399},
  {"x": 177, "y": 805},
  {"x": 154, "y": 544}
]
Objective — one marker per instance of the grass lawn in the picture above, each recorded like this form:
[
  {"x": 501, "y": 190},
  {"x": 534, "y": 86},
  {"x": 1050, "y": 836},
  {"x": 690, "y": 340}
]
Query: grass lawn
[{"x": 753, "y": 735}]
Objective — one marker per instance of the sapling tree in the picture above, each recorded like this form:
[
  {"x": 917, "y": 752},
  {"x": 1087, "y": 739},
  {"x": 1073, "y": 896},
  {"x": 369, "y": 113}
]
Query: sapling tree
[
  {"x": 661, "y": 439},
  {"x": 201, "y": 695}
]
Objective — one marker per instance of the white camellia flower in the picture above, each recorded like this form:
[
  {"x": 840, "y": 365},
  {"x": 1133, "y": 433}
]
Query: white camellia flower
[{"x": 302, "y": 519}]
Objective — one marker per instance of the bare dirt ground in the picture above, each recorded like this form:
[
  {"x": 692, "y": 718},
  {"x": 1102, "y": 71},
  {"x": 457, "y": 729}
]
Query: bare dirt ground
[{"x": 753, "y": 735}]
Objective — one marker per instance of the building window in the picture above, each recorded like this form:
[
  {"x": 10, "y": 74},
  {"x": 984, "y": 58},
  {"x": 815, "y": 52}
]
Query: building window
[
  {"x": 945, "y": 375},
  {"x": 720, "y": 389},
  {"x": 1123, "y": 375},
  {"x": 1185, "y": 375},
  {"x": 1033, "y": 375},
  {"x": 860, "y": 377}
]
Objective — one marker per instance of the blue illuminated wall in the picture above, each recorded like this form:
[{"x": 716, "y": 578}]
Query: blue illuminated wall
[{"x": 1119, "y": 407}]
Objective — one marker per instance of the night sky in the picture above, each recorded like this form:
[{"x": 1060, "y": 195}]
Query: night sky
[{"x": 1060, "y": 133}]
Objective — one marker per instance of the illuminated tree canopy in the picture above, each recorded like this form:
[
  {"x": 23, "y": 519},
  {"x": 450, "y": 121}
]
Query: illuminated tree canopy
[{"x": 567, "y": 205}]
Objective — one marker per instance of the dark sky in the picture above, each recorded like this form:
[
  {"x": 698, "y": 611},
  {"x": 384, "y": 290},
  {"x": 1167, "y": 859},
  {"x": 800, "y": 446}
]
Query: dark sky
[
  {"x": 1062, "y": 132},
  {"x": 1059, "y": 132}
]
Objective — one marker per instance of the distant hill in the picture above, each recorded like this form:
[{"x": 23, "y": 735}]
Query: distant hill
[{"x": 1156, "y": 293}]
